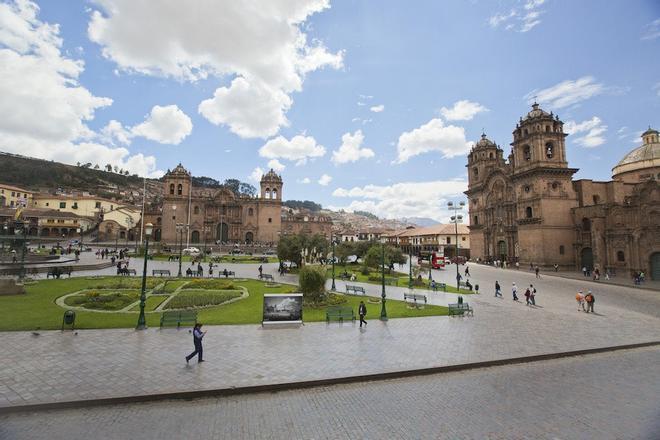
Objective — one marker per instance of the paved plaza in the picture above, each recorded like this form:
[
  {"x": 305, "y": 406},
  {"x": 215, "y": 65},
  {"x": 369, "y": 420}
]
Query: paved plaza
[
  {"x": 603, "y": 396},
  {"x": 94, "y": 364}
]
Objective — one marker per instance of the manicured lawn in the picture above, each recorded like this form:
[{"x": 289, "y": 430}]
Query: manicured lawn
[
  {"x": 37, "y": 308},
  {"x": 255, "y": 259}
]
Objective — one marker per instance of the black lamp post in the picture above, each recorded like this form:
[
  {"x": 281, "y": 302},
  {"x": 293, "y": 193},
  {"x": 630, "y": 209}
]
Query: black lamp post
[
  {"x": 410, "y": 280},
  {"x": 383, "y": 311},
  {"x": 142, "y": 322},
  {"x": 456, "y": 219},
  {"x": 21, "y": 228},
  {"x": 332, "y": 239},
  {"x": 179, "y": 229}
]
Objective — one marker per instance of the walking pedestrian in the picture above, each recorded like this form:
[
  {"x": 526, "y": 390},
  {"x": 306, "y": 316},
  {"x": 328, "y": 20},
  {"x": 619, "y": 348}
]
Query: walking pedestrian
[
  {"x": 362, "y": 311},
  {"x": 261, "y": 270},
  {"x": 537, "y": 272},
  {"x": 579, "y": 297},
  {"x": 527, "y": 294},
  {"x": 198, "y": 334},
  {"x": 590, "y": 301},
  {"x": 467, "y": 272},
  {"x": 517, "y": 265},
  {"x": 556, "y": 267},
  {"x": 514, "y": 291},
  {"x": 532, "y": 294},
  {"x": 584, "y": 271},
  {"x": 498, "y": 291}
]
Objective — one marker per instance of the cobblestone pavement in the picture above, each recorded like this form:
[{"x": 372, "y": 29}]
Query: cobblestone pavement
[{"x": 605, "y": 396}]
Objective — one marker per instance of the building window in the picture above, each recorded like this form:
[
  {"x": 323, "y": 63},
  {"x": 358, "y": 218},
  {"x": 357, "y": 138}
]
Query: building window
[
  {"x": 250, "y": 211},
  {"x": 75, "y": 205},
  {"x": 475, "y": 171},
  {"x": 555, "y": 185},
  {"x": 62, "y": 205},
  {"x": 47, "y": 203},
  {"x": 490, "y": 155},
  {"x": 448, "y": 240},
  {"x": 267, "y": 193},
  {"x": 561, "y": 249},
  {"x": 476, "y": 219},
  {"x": 196, "y": 210},
  {"x": 586, "y": 224},
  {"x": 528, "y": 212},
  {"x": 596, "y": 199},
  {"x": 97, "y": 205},
  {"x": 527, "y": 188},
  {"x": 549, "y": 150},
  {"x": 270, "y": 220},
  {"x": 13, "y": 194},
  {"x": 274, "y": 196},
  {"x": 620, "y": 256},
  {"x": 462, "y": 238},
  {"x": 172, "y": 188},
  {"x": 179, "y": 189},
  {"x": 527, "y": 152}
]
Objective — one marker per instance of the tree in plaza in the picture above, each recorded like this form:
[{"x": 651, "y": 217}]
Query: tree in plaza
[
  {"x": 374, "y": 255},
  {"x": 290, "y": 248},
  {"x": 344, "y": 250},
  {"x": 311, "y": 280},
  {"x": 362, "y": 247},
  {"x": 316, "y": 245}
]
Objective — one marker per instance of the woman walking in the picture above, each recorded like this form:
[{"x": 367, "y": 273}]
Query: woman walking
[
  {"x": 198, "y": 334},
  {"x": 514, "y": 290},
  {"x": 498, "y": 290}
]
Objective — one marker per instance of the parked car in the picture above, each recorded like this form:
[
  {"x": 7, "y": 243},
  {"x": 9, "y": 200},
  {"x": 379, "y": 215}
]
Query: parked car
[{"x": 191, "y": 251}]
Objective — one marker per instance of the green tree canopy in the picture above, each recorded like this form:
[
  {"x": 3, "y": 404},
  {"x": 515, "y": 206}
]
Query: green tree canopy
[
  {"x": 311, "y": 280},
  {"x": 374, "y": 255}
]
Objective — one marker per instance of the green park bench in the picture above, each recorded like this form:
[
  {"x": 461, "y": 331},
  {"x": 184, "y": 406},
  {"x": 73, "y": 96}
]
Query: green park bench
[
  {"x": 160, "y": 272},
  {"x": 414, "y": 297},
  {"x": 355, "y": 289},
  {"x": 267, "y": 277},
  {"x": 464, "y": 285},
  {"x": 442, "y": 286},
  {"x": 339, "y": 313},
  {"x": 178, "y": 318},
  {"x": 57, "y": 272},
  {"x": 460, "y": 309},
  {"x": 226, "y": 273}
]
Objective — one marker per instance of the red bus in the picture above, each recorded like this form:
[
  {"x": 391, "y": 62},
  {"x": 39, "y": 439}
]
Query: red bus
[{"x": 431, "y": 259}]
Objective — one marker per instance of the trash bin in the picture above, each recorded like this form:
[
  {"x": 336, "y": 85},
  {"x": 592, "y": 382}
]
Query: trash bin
[
  {"x": 460, "y": 300},
  {"x": 476, "y": 288},
  {"x": 69, "y": 318}
]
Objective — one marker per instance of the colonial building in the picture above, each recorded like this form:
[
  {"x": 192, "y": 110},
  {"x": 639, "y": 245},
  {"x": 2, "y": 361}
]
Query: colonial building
[
  {"x": 86, "y": 206},
  {"x": 207, "y": 215},
  {"x": 440, "y": 237},
  {"x": 528, "y": 208},
  {"x": 13, "y": 197}
]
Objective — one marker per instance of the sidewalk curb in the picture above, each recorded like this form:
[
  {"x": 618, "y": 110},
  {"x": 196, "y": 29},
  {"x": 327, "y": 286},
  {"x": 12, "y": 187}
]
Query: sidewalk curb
[{"x": 233, "y": 391}]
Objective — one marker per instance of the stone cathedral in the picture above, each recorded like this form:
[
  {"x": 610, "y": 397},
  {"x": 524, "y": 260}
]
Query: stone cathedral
[{"x": 528, "y": 208}]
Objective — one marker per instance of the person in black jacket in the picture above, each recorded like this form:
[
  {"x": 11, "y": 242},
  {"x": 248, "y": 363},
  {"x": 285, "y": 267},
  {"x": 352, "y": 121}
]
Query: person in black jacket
[
  {"x": 198, "y": 334},
  {"x": 362, "y": 311}
]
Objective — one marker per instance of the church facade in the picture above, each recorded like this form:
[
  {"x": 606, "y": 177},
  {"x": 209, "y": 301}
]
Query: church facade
[
  {"x": 528, "y": 207},
  {"x": 204, "y": 215}
]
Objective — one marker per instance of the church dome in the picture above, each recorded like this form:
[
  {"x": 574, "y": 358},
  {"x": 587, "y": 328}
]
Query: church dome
[
  {"x": 179, "y": 170},
  {"x": 537, "y": 112},
  {"x": 484, "y": 142},
  {"x": 645, "y": 157},
  {"x": 271, "y": 176}
]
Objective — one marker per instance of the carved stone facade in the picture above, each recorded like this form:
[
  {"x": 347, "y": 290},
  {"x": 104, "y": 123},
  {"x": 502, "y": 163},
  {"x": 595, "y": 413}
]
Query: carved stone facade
[
  {"x": 528, "y": 208},
  {"x": 220, "y": 215}
]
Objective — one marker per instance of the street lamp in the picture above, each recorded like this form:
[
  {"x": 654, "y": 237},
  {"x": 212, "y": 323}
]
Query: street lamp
[
  {"x": 410, "y": 280},
  {"x": 21, "y": 227},
  {"x": 4, "y": 235},
  {"x": 142, "y": 322},
  {"x": 456, "y": 219},
  {"x": 80, "y": 231},
  {"x": 129, "y": 226},
  {"x": 332, "y": 240},
  {"x": 179, "y": 229},
  {"x": 383, "y": 311}
]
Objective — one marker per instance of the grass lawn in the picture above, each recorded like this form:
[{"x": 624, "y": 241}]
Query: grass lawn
[
  {"x": 37, "y": 308},
  {"x": 402, "y": 278},
  {"x": 255, "y": 259},
  {"x": 151, "y": 303}
]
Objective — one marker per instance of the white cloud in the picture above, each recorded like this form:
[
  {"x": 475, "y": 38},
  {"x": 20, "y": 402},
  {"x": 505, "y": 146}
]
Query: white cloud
[
  {"x": 324, "y": 180},
  {"x": 276, "y": 165},
  {"x": 256, "y": 174},
  {"x": 404, "y": 199},
  {"x": 432, "y": 136},
  {"x": 44, "y": 110},
  {"x": 304, "y": 181},
  {"x": 351, "y": 149},
  {"x": 166, "y": 125},
  {"x": 262, "y": 45},
  {"x": 250, "y": 109},
  {"x": 377, "y": 108},
  {"x": 299, "y": 148},
  {"x": 519, "y": 19},
  {"x": 462, "y": 110},
  {"x": 567, "y": 92},
  {"x": 594, "y": 128},
  {"x": 651, "y": 30},
  {"x": 114, "y": 133}
]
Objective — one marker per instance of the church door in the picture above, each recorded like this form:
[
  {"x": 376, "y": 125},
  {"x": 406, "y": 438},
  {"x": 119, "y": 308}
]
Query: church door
[
  {"x": 194, "y": 238},
  {"x": 655, "y": 266},
  {"x": 222, "y": 232},
  {"x": 587, "y": 258},
  {"x": 249, "y": 238},
  {"x": 502, "y": 250}
]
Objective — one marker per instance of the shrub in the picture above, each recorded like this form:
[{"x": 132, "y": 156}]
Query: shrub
[
  {"x": 209, "y": 285},
  {"x": 364, "y": 270},
  {"x": 312, "y": 283}
]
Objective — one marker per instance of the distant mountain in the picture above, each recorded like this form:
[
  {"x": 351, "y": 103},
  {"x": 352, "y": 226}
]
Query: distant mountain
[{"x": 419, "y": 221}]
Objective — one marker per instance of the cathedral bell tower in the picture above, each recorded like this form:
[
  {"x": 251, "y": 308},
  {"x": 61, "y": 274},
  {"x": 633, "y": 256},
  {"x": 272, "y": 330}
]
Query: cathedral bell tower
[{"x": 539, "y": 141}]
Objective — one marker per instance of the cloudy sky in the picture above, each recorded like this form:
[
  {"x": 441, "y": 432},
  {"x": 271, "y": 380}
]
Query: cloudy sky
[{"x": 361, "y": 104}]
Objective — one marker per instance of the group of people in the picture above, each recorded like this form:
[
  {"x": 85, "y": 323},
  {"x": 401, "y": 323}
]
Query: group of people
[
  {"x": 639, "y": 277},
  {"x": 103, "y": 254},
  {"x": 587, "y": 299},
  {"x": 530, "y": 293}
]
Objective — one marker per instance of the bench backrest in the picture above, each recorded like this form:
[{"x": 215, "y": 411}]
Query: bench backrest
[{"x": 336, "y": 310}]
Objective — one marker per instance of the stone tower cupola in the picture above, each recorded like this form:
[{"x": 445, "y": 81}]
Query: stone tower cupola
[
  {"x": 485, "y": 154},
  {"x": 539, "y": 141},
  {"x": 271, "y": 186},
  {"x": 177, "y": 182}
]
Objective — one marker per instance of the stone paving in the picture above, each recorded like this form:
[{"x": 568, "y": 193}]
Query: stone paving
[{"x": 605, "y": 396}]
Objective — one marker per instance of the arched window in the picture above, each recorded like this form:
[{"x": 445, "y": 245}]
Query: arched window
[
  {"x": 476, "y": 219},
  {"x": 179, "y": 189},
  {"x": 475, "y": 171},
  {"x": 547, "y": 128},
  {"x": 250, "y": 211},
  {"x": 159, "y": 220},
  {"x": 172, "y": 188},
  {"x": 249, "y": 237},
  {"x": 561, "y": 250},
  {"x": 194, "y": 237},
  {"x": 490, "y": 155},
  {"x": 586, "y": 224},
  {"x": 549, "y": 150},
  {"x": 196, "y": 210},
  {"x": 274, "y": 194},
  {"x": 448, "y": 240},
  {"x": 527, "y": 152},
  {"x": 268, "y": 193},
  {"x": 528, "y": 212},
  {"x": 620, "y": 256},
  {"x": 596, "y": 199}
]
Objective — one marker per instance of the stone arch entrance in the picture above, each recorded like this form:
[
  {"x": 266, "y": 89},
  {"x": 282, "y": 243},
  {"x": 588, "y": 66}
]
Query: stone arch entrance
[
  {"x": 194, "y": 237},
  {"x": 222, "y": 232},
  {"x": 587, "y": 258},
  {"x": 249, "y": 238},
  {"x": 502, "y": 250},
  {"x": 655, "y": 266}
]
